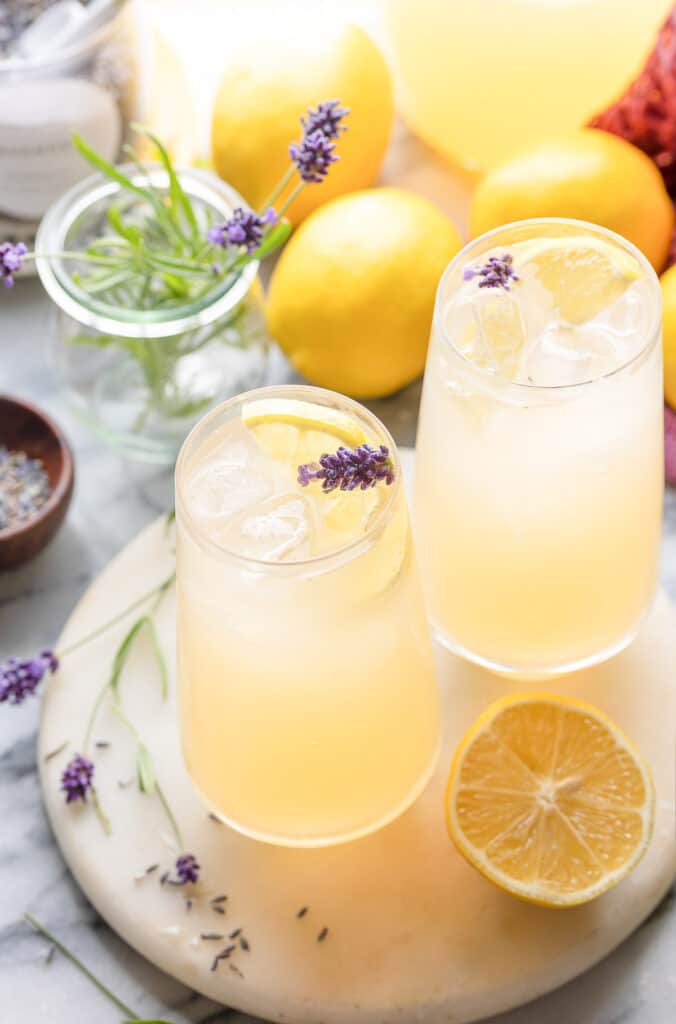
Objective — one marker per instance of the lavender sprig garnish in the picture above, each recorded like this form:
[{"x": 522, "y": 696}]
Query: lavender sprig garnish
[
  {"x": 245, "y": 228},
  {"x": 326, "y": 118},
  {"x": 350, "y": 468},
  {"x": 151, "y": 270},
  {"x": 313, "y": 156},
  {"x": 19, "y": 678},
  {"x": 11, "y": 261},
  {"x": 496, "y": 272},
  {"x": 77, "y": 779}
]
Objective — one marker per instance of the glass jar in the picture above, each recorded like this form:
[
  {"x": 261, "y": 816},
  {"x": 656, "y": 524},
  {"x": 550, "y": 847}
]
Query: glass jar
[
  {"x": 88, "y": 86},
  {"x": 141, "y": 378}
]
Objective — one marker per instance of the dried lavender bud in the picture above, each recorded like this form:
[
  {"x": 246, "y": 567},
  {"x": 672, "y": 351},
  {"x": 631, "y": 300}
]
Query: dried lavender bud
[
  {"x": 24, "y": 488},
  {"x": 187, "y": 869},
  {"x": 20, "y": 678},
  {"x": 77, "y": 779},
  {"x": 313, "y": 156},
  {"x": 496, "y": 272},
  {"x": 349, "y": 468},
  {"x": 326, "y": 119}
]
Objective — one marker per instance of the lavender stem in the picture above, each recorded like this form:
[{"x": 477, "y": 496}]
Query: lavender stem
[{"x": 34, "y": 923}]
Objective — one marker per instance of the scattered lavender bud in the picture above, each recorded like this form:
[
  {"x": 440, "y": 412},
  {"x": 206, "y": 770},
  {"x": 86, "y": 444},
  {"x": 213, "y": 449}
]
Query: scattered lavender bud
[
  {"x": 20, "y": 678},
  {"x": 349, "y": 468},
  {"x": 496, "y": 272},
  {"x": 77, "y": 778},
  {"x": 326, "y": 119},
  {"x": 11, "y": 261},
  {"x": 187, "y": 869},
  {"x": 313, "y": 156}
]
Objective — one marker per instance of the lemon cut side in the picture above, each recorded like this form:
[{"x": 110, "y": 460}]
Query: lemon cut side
[
  {"x": 584, "y": 274},
  {"x": 549, "y": 799}
]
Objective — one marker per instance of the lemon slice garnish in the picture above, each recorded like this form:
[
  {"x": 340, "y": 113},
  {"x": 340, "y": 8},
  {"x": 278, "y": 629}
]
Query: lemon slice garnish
[
  {"x": 584, "y": 274},
  {"x": 549, "y": 799},
  {"x": 305, "y": 416}
]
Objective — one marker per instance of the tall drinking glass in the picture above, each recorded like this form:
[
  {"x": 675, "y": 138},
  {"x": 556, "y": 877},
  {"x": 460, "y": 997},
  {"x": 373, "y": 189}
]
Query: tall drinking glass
[
  {"x": 540, "y": 449},
  {"x": 308, "y": 699}
]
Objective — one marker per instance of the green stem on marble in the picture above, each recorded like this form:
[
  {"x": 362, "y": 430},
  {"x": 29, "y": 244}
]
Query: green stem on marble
[
  {"x": 39, "y": 927},
  {"x": 160, "y": 589}
]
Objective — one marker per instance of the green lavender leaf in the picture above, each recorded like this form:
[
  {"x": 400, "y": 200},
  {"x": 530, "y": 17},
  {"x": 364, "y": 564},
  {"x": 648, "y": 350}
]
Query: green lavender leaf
[
  {"x": 179, "y": 198},
  {"x": 129, "y": 232},
  {"x": 107, "y": 168},
  {"x": 103, "y": 284},
  {"x": 159, "y": 658},
  {"x": 145, "y": 770},
  {"x": 123, "y": 653}
]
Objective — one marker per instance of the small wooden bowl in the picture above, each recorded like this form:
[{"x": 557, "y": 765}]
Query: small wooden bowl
[{"x": 23, "y": 427}]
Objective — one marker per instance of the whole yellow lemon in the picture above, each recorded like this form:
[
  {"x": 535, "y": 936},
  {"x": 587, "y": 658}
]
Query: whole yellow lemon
[
  {"x": 352, "y": 296},
  {"x": 269, "y": 85},
  {"x": 668, "y": 282},
  {"x": 589, "y": 175}
]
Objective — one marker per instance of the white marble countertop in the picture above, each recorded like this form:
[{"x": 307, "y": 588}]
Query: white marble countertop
[{"x": 636, "y": 985}]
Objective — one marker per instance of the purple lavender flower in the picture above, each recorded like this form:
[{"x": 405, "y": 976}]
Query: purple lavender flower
[
  {"x": 326, "y": 119},
  {"x": 350, "y": 468},
  {"x": 77, "y": 778},
  {"x": 313, "y": 156},
  {"x": 497, "y": 272},
  {"x": 20, "y": 678},
  {"x": 244, "y": 228},
  {"x": 11, "y": 261},
  {"x": 187, "y": 868}
]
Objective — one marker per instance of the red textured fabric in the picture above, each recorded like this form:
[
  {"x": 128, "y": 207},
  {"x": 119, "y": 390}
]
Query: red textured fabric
[{"x": 646, "y": 114}]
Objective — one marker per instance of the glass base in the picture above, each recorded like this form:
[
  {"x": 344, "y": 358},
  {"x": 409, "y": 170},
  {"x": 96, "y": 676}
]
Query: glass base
[
  {"x": 538, "y": 672},
  {"x": 308, "y": 842}
]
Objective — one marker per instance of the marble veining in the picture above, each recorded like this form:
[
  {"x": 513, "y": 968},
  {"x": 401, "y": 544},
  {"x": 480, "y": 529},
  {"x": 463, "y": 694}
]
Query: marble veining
[{"x": 635, "y": 985}]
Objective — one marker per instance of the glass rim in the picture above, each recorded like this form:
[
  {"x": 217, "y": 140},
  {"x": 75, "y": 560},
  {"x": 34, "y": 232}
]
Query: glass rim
[
  {"x": 652, "y": 334},
  {"x": 321, "y": 396},
  {"x": 101, "y": 316}
]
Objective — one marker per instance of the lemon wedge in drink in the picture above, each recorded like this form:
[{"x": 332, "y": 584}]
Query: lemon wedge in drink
[
  {"x": 295, "y": 432},
  {"x": 583, "y": 274},
  {"x": 549, "y": 799},
  {"x": 306, "y": 416}
]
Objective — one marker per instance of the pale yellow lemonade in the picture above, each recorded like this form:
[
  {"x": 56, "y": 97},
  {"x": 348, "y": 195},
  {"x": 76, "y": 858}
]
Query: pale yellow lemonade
[
  {"x": 540, "y": 449},
  {"x": 309, "y": 706}
]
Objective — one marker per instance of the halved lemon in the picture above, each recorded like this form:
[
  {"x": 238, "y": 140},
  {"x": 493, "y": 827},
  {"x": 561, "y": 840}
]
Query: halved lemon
[
  {"x": 549, "y": 799},
  {"x": 584, "y": 274}
]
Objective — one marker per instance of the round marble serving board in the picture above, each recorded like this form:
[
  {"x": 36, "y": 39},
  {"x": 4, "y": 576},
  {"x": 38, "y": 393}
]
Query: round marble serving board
[{"x": 414, "y": 933}]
